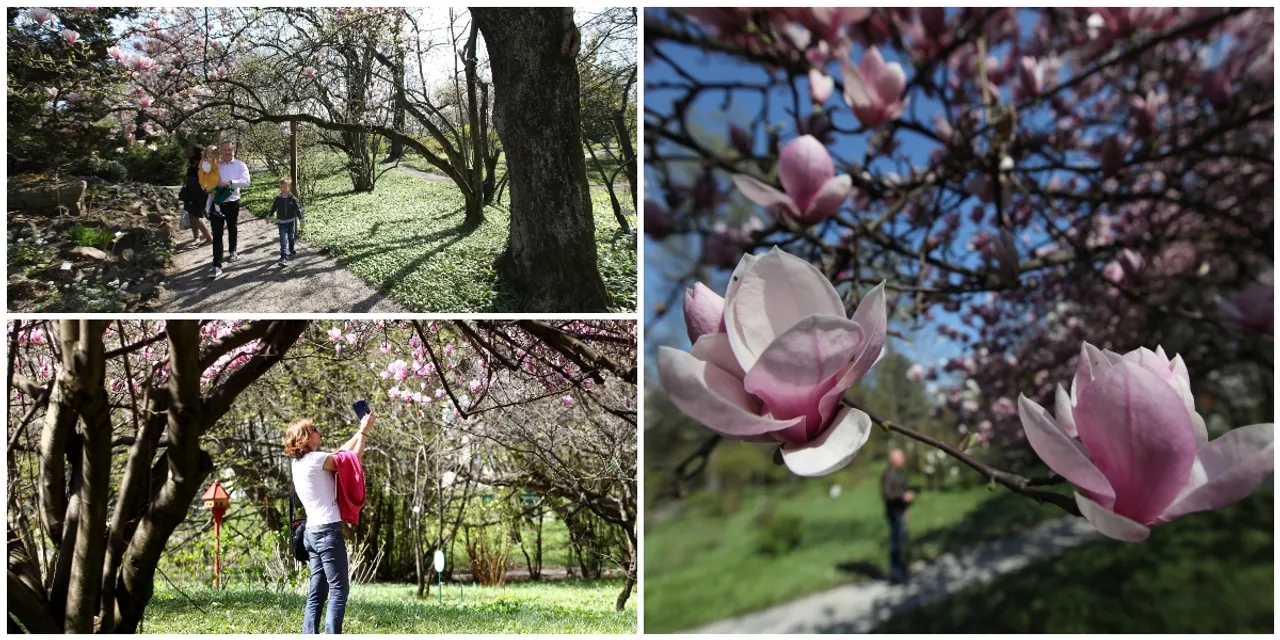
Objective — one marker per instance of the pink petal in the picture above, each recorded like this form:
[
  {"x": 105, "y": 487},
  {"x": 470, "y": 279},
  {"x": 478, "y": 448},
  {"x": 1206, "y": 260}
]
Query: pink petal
[
  {"x": 872, "y": 316},
  {"x": 1093, "y": 362},
  {"x": 714, "y": 348},
  {"x": 832, "y": 450},
  {"x": 798, "y": 368},
  {"x": 1227, "y": 470},
  {"x": 763, "y": 194},
  {"x": 890, "y": 83},
  {"x": 803, "y": 167},
  {"x": 1110, "y": 523},
  {"x": 1139, "y": 435},
  {"x": 712, "y": 396},
  {"x": 827, "y": 201},
  {"x": 1062, "y": 411},
  {"x": 1064, "y": 455},
  {"x": 820, "y": 86},
  {"x": 856, "y": 92},
  {"x": 770, "y": 295},
  {"x": 703, "y": 311}
]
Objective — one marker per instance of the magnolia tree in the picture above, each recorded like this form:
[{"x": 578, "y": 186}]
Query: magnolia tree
[
  {"x": 368, "y": 75},
  {"x": 104, "y": 414},
  {"x": 108, "y": 422},
  {"x": 1024, "y": 184}
]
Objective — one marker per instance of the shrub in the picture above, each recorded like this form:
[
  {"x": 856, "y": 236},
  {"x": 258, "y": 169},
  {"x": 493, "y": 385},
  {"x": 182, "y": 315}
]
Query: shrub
[
  {"x": 167, "y": 165},
  {"x": 781, "y": 534},
  {"x": 97, "y": 167}
]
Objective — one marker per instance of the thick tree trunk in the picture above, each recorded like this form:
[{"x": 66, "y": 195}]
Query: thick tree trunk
[
  {"x": 88, "y": 363},
  {"x": 551, "y": 252},
  {"x": 396, "y": 151}
]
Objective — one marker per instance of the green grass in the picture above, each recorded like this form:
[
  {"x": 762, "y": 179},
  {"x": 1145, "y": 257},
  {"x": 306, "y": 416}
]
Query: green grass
[
  {"x": 1205, "y": 573},
  {"x": 593, "y": 175},
  {"x": 407, "y": 238},
  {"x": 701, "y": 566},
  {"x": 83, "y": 236},
  {"x": 568, "y": 606}
]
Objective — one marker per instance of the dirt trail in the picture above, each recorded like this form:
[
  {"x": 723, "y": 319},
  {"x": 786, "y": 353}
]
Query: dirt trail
[{"x": 312, "y": 283}]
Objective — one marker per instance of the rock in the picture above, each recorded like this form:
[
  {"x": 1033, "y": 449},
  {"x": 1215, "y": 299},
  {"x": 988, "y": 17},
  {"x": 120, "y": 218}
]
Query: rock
[
  {"x": 46, "y": 197},
  {"x": 156, "y": 217},
  {"x": 90, "y": 252},
  {"x": 133, "y": 239}
]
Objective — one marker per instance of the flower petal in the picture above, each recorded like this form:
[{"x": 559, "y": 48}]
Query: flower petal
[
  {"x": 1062, "y": 409},
  {"x": 1091, "y": 365},
  {"x": 714, "y": 348},
  {"x": 872, "y": 316},
  {"x": 1139, "y": 434},
  {"x": 1110, "y": 523},
  {"x": 1227, "y": 470},
  {"x": 797, "y": 369},
  {"x": 804, "y": 165},
  {"x": 712, "y": 396},
  {"x": 828, "y": 200},
  {"x": 856, "y": 93},
  {"x": 834, "y": 449},
  {"x": 770, "y": 295},
  {"x": 1064, "y": 455},
  {"x": 763, "y": 194}
]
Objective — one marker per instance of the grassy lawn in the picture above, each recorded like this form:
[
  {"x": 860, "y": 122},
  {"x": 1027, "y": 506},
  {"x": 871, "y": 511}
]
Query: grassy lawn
[
  {"x": 1209, "y": 572},
  {"x": 568, "y": 606},
  {"x": 407, "y": 239},
  {"x": 701, "y": 566},
  {"x": 593, "y": 175}
]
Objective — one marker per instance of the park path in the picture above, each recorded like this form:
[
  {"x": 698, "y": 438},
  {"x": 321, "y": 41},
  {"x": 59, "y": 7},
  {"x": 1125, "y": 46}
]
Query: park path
[
  {"x": 312, "y": 283},
  {"x": 859, "y": 608}
]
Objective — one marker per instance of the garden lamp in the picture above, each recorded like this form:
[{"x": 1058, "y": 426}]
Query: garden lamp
[{"x": 217, "y": 501}]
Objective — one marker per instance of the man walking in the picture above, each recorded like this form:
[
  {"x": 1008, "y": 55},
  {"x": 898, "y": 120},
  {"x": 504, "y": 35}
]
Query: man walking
[
  {"x": 897, "y": 497},
  {"x": 234, "y": 174}
]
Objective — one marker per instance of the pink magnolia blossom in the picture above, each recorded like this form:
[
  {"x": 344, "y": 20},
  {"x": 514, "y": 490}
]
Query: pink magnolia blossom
[
  {"x": 145, "y": 102},
  {"x": 1130, "y": 440},
  {"x": 335, "y": 334},
  {"x": 1252, "y": 309},
  {"x": 568, "y": 401},
  {"x": 40, "y": 14},
  {"x": 915, "y": 373},
  {"x": 703, "y": 311},
  {"x": 70, "y": 36},
  {"x": 874, "y": 89},
  {"x": 1030, "y": 79},
  {"x": 309, "y": 72},
  {"x": 820, "y": 86},
  {"x": 813, "y": 193},
  {"x": 778, "y": 371}
]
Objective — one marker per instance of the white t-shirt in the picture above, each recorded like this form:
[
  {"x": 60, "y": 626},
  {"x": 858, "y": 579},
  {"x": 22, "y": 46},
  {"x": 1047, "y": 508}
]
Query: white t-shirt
[{"x": 317, "y": 489}]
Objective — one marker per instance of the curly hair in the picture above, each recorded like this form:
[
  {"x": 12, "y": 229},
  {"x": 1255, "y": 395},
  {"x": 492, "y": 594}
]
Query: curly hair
[{"x": 297, "y": 438}]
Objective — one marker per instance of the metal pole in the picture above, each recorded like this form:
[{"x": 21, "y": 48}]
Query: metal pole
[{"x": 293, "y": 154}]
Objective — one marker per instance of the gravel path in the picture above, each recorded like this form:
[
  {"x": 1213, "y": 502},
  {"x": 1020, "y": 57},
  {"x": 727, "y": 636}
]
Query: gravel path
[
  {"x": 859, "y": 608},
  {"x": 312, "y": 283}
]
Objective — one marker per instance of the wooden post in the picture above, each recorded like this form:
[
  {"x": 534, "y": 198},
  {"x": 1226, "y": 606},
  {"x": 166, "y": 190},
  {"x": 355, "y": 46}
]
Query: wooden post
[
  {"x": 217, "y": 551},
  {"x": 293, "y": 154}
]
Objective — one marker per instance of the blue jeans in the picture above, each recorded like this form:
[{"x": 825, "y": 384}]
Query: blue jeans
[
  {"x": 288, "y": 233},
  {"x": 329, "y": 577},
  {"x": 897, "y": 539}
]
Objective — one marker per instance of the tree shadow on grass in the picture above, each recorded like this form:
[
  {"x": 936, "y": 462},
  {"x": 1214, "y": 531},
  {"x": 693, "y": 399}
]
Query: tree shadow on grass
[
  {"x": 1003, "y": 515},
  {"x": 1209, "y": 572}
]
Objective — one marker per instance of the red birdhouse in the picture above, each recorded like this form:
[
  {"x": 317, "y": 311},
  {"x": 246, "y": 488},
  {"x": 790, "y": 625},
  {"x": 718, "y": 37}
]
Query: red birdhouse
[{"x": 217, "y": 500}]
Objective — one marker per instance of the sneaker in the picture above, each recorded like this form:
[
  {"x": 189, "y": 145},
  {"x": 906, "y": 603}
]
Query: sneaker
[
  {"x": 284, "y": 262},
  {"x": 293, "y": 254},
  {"x": 232, "y": 257},
  {"x": 217, "y": 271}
]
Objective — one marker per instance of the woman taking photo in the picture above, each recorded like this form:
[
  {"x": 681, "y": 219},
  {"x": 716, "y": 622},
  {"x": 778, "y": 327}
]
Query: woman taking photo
[{"x": 316, "y": 484}]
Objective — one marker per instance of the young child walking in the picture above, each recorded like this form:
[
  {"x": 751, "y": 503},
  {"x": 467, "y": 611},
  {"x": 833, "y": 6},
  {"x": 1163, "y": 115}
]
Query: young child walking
[
  {"x": 209, "y": 178},
  {"x": 288, "y": 220}
]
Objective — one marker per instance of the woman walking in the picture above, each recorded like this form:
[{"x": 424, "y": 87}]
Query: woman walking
[
  {"x": 193, "y": 197},
  {"x": 315, "y": 482}
]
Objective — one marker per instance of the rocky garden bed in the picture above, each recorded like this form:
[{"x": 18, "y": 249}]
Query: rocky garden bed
[{"x": 77, "y": 246}]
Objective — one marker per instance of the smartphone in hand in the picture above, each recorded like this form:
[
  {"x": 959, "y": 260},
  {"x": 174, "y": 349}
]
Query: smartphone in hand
[{"x": 361, "y": 407}]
